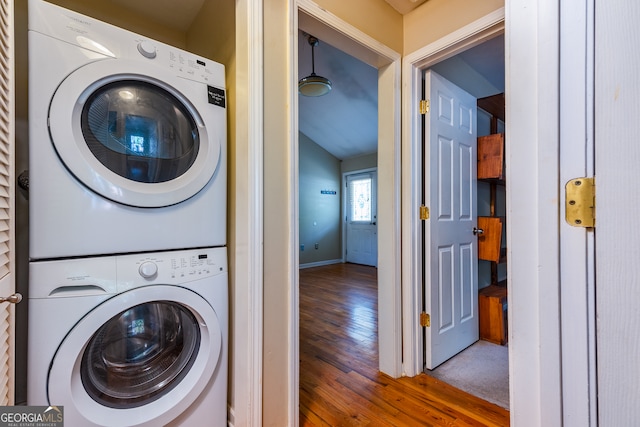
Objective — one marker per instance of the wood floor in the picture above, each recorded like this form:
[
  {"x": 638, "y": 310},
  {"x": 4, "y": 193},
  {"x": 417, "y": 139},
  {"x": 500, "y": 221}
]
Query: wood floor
[{"x": 340, "y": 384}]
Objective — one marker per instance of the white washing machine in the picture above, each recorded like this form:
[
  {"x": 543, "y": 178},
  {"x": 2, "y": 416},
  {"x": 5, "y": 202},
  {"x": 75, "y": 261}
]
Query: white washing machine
[
  {"x": 131, "y": 340},
  {"x": 127, "y": 141}
]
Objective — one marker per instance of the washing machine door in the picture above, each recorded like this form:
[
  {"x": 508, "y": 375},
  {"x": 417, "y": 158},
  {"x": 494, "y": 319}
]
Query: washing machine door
[
  {"x": 140, "y": 358},
  {"x": 131, "y": 132}
]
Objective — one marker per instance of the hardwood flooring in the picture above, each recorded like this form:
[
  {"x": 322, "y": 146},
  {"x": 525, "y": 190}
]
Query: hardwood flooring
[{"x": 340, "y": 384}]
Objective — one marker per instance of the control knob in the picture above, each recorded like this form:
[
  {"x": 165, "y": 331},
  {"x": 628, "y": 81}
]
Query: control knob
[
  {"x": 148, "y": 269},
  {"x": 147, "y": 49}
]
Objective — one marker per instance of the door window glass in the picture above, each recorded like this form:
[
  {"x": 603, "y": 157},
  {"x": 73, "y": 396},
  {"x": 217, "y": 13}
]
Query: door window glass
[
  {"x": 140, "y": 354},
  {"x": 140, "y": 131},
  {"x": 361, "y": 199}
]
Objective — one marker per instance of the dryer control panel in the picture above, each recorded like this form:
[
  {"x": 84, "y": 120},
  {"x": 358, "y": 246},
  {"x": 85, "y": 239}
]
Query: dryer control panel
[{"x": 105, "y": 40}]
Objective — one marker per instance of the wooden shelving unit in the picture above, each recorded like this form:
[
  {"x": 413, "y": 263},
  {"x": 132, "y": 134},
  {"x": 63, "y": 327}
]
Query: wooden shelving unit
[
  {"x": 491, "y": 170},
  {"x": 492, "y": 300}
]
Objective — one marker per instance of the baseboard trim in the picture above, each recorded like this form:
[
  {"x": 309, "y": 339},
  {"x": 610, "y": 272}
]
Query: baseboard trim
[{"x": 321, "y": 263}]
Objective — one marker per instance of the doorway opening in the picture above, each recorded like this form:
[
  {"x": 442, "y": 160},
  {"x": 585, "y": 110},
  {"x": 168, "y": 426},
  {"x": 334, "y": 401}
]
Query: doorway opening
[
  {"x": 337, "y": 159},
  {"x": 385, "y": 65},
  {"x": 337, "y": 163},
  {"x": 374, "y": 88},
  {"x": 477, "y": 299},
  {"x": 337, "y": 226}
]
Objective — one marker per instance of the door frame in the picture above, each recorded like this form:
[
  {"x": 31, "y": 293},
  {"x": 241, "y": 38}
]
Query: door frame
[
  {"x": 577, "y": 245},
  {"x": 310, "y": 17},
  {"x": 313, "y": 19},
  {"x": 345, "y": 207},
  {"x": 245, "y": 401},
  {"x": 550, "y": 129},
  {"x": 414, "y": 64},
  {"x": 542, "y": 253}
]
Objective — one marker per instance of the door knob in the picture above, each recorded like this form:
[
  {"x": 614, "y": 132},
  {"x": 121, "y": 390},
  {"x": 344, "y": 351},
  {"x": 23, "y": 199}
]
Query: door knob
[
  {"x": 13, "y": 299},
  {"x": 477, "y": 231}
]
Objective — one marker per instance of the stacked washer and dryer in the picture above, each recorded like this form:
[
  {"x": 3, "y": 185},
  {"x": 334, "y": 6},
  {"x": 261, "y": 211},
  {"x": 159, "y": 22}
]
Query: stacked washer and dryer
[{"x": 128, "y": 300}]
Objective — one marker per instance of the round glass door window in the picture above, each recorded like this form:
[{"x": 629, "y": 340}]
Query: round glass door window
[
  {"x": 140, "y": 131},
  {"x": 140, "y": 354}
]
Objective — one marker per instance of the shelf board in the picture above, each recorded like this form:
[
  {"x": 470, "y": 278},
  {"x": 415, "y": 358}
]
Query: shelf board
[
  {"x": 491, "y": 156},
  {"x": 496, "y": 181}
]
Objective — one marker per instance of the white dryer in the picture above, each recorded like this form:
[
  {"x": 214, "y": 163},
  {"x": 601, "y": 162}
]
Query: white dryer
[
  {"x": 131, "y": 340},
  {"x": 127, "y": 141}
]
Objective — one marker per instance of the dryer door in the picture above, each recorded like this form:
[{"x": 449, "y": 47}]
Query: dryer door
[
  {"x": 139, "y": 358},
  {"x": 132, "y": 133}
]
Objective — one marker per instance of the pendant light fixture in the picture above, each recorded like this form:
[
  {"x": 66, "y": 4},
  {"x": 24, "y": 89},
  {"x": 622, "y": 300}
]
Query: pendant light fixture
[{"x": 314, "y": 85}]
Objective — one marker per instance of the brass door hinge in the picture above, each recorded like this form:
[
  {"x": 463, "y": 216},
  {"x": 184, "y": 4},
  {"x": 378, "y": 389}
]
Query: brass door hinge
[
  {"x": 424, "y": 106},
  {"x": 580, "y": 202},
  {"x": 424, "y": 212},
  {"x": 425, "y": 320}
]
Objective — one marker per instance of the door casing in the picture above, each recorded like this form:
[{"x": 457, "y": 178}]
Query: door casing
[
  {"x": 471, "y": 35},
  {"x": 309, "y": 17}
]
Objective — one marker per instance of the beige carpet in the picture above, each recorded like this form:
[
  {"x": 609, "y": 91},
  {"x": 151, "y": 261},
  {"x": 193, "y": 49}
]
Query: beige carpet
[{"x": 481, "y": 370}]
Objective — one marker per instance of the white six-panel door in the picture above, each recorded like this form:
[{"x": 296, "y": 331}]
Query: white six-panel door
[{"x": 451, "y": 279}]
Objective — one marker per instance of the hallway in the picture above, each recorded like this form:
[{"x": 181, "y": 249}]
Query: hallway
[{"x": 339, "y": 379}]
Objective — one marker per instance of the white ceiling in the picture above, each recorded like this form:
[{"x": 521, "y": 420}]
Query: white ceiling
[{"x": 344, "y": 121}]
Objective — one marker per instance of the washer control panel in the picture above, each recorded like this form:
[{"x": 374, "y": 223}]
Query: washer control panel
[{"x": 170, "y": 268}]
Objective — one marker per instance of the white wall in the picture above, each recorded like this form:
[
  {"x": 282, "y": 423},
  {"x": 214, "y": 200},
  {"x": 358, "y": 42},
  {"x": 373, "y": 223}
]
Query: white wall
[{"x": 361, "y": 162}]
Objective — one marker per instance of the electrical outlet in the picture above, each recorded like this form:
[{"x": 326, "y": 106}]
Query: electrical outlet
[
  {"x": 301, "y": 248},
  {"x": 317, "y": 245}
]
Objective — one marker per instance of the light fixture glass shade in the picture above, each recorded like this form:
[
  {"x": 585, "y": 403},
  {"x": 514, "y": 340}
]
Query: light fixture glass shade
[{"x": 314, "y": 85}]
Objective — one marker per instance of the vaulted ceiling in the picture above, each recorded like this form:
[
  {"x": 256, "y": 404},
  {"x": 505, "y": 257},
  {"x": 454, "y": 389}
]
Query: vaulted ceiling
[{"x": 345, "y": 121}]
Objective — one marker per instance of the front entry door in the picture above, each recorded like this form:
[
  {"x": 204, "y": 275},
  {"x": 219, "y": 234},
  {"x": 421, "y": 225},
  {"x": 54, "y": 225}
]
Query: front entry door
[
  {"x": 361, "y": 219},
  {"x": 451, "y": 248}
]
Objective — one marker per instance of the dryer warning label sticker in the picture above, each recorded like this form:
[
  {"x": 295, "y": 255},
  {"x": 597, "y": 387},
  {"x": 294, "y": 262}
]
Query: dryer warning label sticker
[{"x": 216, "y": 96}]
